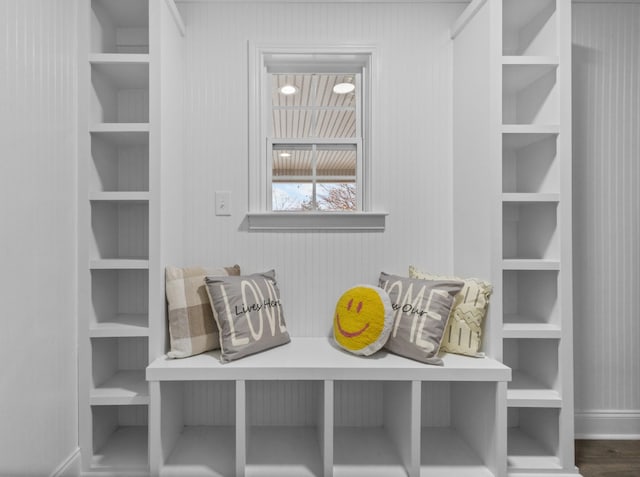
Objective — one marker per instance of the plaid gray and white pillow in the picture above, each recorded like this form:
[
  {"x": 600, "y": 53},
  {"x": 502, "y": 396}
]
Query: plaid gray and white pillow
[{"x": 192, "y": 329}]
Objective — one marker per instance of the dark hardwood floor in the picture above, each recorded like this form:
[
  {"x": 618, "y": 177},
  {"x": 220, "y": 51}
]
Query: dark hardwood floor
[{"x": 597, "y": 458}]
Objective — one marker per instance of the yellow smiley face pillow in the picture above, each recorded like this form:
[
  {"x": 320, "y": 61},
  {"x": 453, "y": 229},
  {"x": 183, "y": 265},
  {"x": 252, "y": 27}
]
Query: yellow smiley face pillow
[{"x": 363, "y": 320}]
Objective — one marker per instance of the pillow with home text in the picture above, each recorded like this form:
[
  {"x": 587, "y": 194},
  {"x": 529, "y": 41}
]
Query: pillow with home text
[
  {"x": 421, "y": 309},
  {"x": 248, "y": 312}
]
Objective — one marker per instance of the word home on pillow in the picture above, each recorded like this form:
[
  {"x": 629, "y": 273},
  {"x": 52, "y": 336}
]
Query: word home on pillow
[{"x": 421, "y": 311}]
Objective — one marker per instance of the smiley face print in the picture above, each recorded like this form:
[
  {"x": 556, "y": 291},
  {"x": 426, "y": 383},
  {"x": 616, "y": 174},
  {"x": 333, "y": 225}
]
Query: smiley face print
[{"x": 362, "y": 320}]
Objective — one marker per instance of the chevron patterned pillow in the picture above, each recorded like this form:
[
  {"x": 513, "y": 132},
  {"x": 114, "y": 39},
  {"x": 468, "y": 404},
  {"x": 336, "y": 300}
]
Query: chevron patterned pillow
[{"x": 463, "y": 334}]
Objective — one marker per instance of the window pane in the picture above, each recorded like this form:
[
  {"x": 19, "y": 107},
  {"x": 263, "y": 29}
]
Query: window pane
[
  {"x": 336, "y": 160},
  {"x": 300, "y": 97},
  {"x": 327, "y": 97},
  {"x": 291, "y": 196},
  {"x": 306, "y": 105},
  {"x": 336, "y": 196},
  {"x": 336, "y": 123},
  {"x": 291, "y": 161}
]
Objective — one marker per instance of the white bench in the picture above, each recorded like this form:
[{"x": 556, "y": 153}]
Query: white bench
[{"x": 459, "y": 439}]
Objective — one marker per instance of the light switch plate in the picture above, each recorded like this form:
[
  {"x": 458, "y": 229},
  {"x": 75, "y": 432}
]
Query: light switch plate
[{"x": 223, "y": 203}]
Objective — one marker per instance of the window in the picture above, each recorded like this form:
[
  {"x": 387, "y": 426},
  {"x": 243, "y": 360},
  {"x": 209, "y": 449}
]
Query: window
[
  {"x": 309, "y": 131},
  {"x": 315, "y": 142}
]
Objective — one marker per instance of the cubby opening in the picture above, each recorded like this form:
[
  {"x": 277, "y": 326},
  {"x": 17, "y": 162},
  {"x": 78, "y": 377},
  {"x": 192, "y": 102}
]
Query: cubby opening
[
  {"x": 371, "y": 428},
  {"x": 198, "y": 428},
  {"x": 119, "y": 93},
  {"x": 459, "y": 432},
  {"x": 535, "y": 371},
  {"x": 120, "y": 162},
  {"x": 529, "y": 28},
  {"x": 120, "y": 438},
  {"x": 533, "y": 438},
  {"x": 119, "y": 303},
  {"x": 117, "y": 370},
  {"x": 120, "y": 230},
  {"x": 530, "y": 231},
  {"x": 530, "y": 94},
  {"x": 119, "y": 26},
  {"x": 284, "y": 428},
  {"x": 530, "y": 299},
  {"x": 529, "y": 163}
]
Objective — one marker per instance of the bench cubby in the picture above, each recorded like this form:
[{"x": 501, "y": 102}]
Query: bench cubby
[{"x": 310, "y": 409}]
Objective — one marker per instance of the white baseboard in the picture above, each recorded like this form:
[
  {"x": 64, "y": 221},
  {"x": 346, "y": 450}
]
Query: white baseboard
[
  {"x": 607, "y": 424},
  {"x": 70, "y": 467}
]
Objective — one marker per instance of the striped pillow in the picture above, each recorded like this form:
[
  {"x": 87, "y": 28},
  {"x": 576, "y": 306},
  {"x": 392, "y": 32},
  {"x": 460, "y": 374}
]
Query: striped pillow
[
  {"x": 192, "y": 329},
  {"x": 463, "y": 334}
]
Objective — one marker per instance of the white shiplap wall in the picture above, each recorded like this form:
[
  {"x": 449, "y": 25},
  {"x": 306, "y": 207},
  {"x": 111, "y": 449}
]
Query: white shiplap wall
[
  {"x": 38, "y": 381},
  {"x": 412, "y": 173},
  {"x": 606, "y": 105},
  {"x": 411, "y": 143}
]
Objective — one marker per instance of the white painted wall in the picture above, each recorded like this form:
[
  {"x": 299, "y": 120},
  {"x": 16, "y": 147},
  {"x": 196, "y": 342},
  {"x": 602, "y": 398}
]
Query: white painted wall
[
  {"x": 412, "y": 175},
  {"x": 38, "y": 381},
  {"x": 606, "y": 105}
]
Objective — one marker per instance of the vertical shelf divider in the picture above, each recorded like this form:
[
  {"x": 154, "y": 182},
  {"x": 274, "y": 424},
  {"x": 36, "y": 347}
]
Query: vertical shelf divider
[
  {"x": 325, "y": 427},
  {"x": 242, "y": 428}
]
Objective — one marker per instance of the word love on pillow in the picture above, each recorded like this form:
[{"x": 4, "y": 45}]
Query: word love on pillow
[{"x": 248, "y": 312}]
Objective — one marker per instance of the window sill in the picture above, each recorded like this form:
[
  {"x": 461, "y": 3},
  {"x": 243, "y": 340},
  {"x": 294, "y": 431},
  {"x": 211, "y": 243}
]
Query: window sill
[{"x": 310, "y": 221}]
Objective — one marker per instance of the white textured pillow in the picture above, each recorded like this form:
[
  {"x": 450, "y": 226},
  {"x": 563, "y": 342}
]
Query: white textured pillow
[{"x": 463, "y": 334}]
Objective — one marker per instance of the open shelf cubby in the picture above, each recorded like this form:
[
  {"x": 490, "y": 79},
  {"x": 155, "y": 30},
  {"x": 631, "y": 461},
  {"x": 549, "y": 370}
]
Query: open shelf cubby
[
  {"x": 120, "y": 162},
  {"x": 458, "y": 438},
  {"x": 534, "y": 364},
  {"x": 284, "y": 428},
  {"x": 530, "y": 94},
  {"x": 120, "y": 229},
  {"x": 198, "y": 428},
  {"x": 530, "y": 230},
  {"x": 119, "y": 91},
  {"x": 371, "y": 428},
  {"x": 118, "y": 366},
  {"x": 119, "y": 26},
  {"x": 529, "y": 28},
  {"x": 119, "y": 303},
  {"x": 530, "y": 304},
  {"x": 120, "y": 439},
  {"x": 533, "y": 437},
  {"x": 529, "y": 163}
]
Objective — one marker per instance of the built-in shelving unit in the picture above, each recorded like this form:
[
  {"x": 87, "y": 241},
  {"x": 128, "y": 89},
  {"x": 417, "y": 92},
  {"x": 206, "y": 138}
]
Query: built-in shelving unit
[
  {"x": 536, "y": 233},
  {"x": 307, "y": 408},
  {"x": 521, "y": 50},
  {"x": 114, "y": 167},
  {"x": 124, "y": 153}
]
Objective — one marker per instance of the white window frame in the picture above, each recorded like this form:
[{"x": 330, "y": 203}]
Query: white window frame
[{"x": 267, "y": 59}]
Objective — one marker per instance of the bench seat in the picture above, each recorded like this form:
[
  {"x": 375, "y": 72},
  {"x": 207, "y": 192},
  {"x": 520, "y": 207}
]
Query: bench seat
[{"x": 319, "y": 359}]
